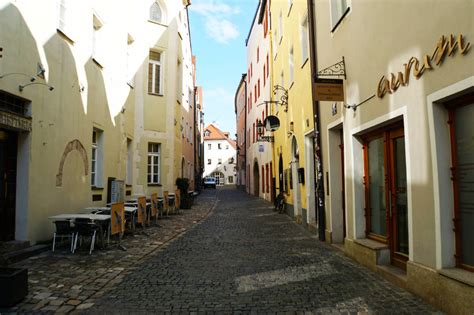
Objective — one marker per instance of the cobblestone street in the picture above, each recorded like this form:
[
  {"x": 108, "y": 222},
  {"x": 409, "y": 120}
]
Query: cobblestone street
[{"x": 244, "y": 258}]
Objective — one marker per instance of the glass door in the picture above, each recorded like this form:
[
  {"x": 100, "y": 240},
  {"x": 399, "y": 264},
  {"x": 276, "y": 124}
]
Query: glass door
[{"x": 398, "y": 200}]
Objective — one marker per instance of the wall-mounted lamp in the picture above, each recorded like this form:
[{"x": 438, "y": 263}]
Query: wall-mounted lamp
[
  {"x": 32, "y": 79},
  {"x": 21, "y": 87},
  {"x": 260, "y": 128}
]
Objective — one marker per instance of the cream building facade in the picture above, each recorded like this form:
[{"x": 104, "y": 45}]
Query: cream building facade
[
  {"x": 259, "y": 154},
  {"x": 103, "y": 105},
  {"x": 398, "y": 150}
]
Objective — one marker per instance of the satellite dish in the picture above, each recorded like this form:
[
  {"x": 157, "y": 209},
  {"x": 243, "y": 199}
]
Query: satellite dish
[{"x": 271, "y": 123}]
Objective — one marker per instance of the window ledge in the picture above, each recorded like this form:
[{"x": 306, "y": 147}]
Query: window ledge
[
  {"x": 63, "y": 35},
  {"x": 155, "y": 94},
  {"x": 157, "y": 23},
  {"x": 97, "y": 188},
  {"x": 458, "y": 274},
  {"x": 371, "y": 244},
  {"x": 154, "y": 185}
]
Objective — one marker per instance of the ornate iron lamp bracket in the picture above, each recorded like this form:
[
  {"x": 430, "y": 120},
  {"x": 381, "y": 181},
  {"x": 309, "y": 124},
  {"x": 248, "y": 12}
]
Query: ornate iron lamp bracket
[
  {"x": 283, "y": 97},
  {"x": 336, "y": 70}
]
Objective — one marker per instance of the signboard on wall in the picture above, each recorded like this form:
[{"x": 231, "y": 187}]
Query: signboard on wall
[
  {"x": 117, "y": 191},
  {"x": 329, "y": 90}
]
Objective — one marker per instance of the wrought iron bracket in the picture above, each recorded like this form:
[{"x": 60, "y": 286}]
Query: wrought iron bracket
[
  {"x": 283, "y": 97},
  {"x": 336, "y": 70}
]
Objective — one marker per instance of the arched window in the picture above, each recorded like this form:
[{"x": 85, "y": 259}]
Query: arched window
[{"x": 156, "y": 13}]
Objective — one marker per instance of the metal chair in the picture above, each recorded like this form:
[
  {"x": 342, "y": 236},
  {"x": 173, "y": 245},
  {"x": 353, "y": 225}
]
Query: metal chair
[
  {"x": 64, "y": 229},
  {"x": 85, "y": 227}
]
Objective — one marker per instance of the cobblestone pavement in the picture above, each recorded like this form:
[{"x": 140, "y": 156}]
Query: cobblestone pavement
[
  {"x": 65, "y": 282},
  {"x": 245, "y": 258}
]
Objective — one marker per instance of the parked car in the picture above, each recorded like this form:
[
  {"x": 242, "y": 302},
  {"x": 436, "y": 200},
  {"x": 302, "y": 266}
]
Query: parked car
[{"x": 210, "y": 182}]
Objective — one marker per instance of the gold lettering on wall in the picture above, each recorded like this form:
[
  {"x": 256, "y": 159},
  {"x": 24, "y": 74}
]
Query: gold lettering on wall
[{"x": 445, "y": 46}]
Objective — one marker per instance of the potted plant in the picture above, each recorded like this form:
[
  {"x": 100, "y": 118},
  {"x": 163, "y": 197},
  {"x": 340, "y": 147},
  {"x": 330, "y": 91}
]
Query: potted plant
[
  {"x": 186, "y": 200},
  {"x": 13, "y": 283}
]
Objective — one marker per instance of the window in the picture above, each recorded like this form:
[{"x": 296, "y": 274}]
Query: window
[
  {"x": 154, "y": 73},
  {"x": 258, "y": 87},
  {"x": 154, "y": 163},
  {"x": 268, "y": 67},
  {"x": 207, "y": 133},
  {"x": 179, "y": 81},
  {"x": 255, "y": 93},
  {"x": 461, "y": 112},
  {"x": 227, "y": 147},
  {"x": 339, "y": 10},
  {"x": 66, "y": 18},
  {"x": 97, "y": 40},
  {"x": 264, "y": 69},
  {"x": 230, "y": 179},
  {"x": 156, "y": 14},
  {"x": 291, "y": 65},
  {"x": 280, "y": 26},
  {"x": 128, "y": 176},
  {"x": 304, "y": 40},
  {"x": 130, "y": 70},
  {"x": 219, "y": 146},
  {"x": 231, "y": 160},
  {"x": 219, "y": 161},
  {"x": 209, "y": 161},
  {"x": 258, "y": 54},
  {"x": 96, "y": 159}
]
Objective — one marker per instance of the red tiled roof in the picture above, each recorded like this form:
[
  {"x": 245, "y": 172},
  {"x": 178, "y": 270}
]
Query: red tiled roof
[{"x": 217, "y": 134}]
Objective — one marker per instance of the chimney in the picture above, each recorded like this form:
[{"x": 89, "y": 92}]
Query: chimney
[{"x": 226, "y": 134}]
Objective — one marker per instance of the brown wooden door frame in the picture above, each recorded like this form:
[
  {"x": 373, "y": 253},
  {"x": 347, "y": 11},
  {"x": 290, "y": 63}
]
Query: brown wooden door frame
[
  {"x": 389, "y": 135},
  {"x": 398, "y": 259}
]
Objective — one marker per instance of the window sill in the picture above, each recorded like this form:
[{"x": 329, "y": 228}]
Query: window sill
[
  {"x": 304, "y": 62},
  {"x": 371, "y": 244},
  {"x": 97, "y": 188},
  {"x": 458, "y": 274},
  {"x": 158, "y": 23},
  {"x": 155, "y": 94},
  {"x": 154, "y": 185},
  {"x": 63, "y": 35},
  {"x": 128, "y": 185}
]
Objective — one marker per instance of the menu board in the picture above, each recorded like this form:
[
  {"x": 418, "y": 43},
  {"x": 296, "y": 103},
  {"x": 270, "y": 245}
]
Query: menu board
[{"x": 117, "y": 191}]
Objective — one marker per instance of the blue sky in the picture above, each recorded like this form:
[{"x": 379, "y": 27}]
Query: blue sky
[{"x": 218, "y": 32}]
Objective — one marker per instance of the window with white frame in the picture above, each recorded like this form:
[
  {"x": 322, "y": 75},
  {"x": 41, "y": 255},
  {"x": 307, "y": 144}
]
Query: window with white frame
[
  {"x": 209, "y": 161},
  {"x": 97, "y": 40},
  {"x": 219, "y": 161},
  {"x": 179, "y": 81},
  {"x": 209, "y": 146},
  {"x": 304, "y": 40},
  {"x": 339, "y": 9},
  {"x": 280, "y": 26},
  {"x": 154, "y": 163},
  {"x": 130, "y": 71},
  {"x": 219, "y": 146},
  {"x": 128, "y": 176},
  {"x": 227, "y": 147},
  {"x": 291, "y": 65},
  {"x": 66, "y": 18},
  {"x": 156, "y": 13},
  {"x": 154, "y": 73},
  {"x": 96, "y": 158}
]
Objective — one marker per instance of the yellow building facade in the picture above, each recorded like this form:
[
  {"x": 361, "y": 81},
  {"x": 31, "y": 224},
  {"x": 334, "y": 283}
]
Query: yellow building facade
[
  {"x": 88, "y": 99},
  {"x": 291, "y": 81}
]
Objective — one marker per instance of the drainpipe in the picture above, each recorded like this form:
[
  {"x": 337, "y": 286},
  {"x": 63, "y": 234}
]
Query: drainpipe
[{"x": 318, "y": 160}]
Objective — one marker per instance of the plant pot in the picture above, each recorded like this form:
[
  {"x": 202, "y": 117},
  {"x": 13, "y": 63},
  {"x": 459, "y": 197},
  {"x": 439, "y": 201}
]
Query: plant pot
[
  {"x": 13, "y": 285},
  {"x": 186, "y": 202}
]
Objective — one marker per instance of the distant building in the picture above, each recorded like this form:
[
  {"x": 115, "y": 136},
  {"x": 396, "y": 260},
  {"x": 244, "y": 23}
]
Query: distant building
[
  {"x": 219, "y": 156},
  {"x": 240, "y": 103}
]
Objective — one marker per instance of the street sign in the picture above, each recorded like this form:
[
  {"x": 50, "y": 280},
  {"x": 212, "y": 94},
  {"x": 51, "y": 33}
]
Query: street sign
[
  {"x": 329, "y": 89},
  {"x": 271, "y": 123}
]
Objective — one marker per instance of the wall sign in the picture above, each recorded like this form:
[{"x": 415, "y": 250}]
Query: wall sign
[
  {"x": 15, "y": 122},
  {"x": 329, "y": 89},
  {"x": 445, "y": 46},
  {"x": 271, "y": 123}
]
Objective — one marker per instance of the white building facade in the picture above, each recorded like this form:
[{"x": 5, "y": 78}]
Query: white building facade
[{"x": 219, "y": 156}]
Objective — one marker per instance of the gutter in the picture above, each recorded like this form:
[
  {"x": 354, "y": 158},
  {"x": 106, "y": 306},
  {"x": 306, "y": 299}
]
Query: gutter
[{"x": 318, "y": 160}]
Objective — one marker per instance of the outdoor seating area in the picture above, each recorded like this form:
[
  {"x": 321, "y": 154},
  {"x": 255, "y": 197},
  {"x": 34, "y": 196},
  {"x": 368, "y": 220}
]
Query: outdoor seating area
[{"x": 95, "y": 226}]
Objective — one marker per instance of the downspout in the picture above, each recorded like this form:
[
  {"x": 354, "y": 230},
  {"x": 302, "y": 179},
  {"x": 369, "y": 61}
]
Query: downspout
[{"x": 318, "y": 160}]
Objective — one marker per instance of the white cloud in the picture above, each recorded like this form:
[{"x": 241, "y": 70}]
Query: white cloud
[
  {"x": 218, "y": 25},
  {"x": 221, "y": 30}
]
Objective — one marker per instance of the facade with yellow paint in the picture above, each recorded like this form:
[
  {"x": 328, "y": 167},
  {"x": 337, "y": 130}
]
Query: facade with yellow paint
[
  {"x": 291, "y": 78},
  {"x": 88, "y": 95}
]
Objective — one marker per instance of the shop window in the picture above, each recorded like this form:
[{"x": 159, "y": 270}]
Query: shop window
[{"x": 461, "y": 116}]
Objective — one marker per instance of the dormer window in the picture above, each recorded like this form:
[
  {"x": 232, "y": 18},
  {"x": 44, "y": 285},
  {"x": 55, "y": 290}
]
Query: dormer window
[
  {"x": 207, "y": 133},
  {"x": 156, "y": 13}
]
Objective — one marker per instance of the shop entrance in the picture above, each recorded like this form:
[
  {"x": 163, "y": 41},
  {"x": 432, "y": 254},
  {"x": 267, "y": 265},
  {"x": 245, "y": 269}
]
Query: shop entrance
[
  {"x": 386, "y": 191},
  {"x": 8, "y": 161}
]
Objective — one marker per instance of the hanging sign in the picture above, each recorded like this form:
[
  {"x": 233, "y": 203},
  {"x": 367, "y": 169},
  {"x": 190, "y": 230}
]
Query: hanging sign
[
  {"x": 329, "y": 90},
  {"x": 271, "y": 123}
]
